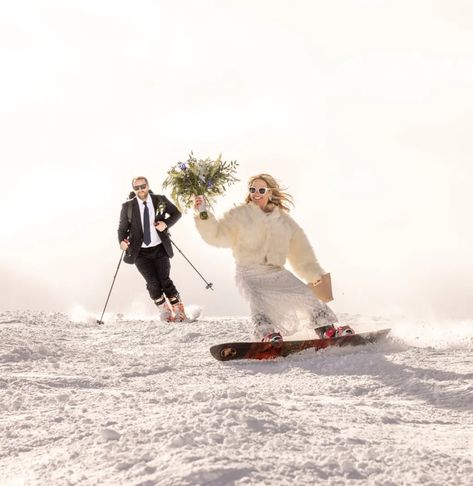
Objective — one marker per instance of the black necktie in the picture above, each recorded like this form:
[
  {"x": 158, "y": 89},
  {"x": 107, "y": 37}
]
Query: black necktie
[{"x": 146, "y": 232}]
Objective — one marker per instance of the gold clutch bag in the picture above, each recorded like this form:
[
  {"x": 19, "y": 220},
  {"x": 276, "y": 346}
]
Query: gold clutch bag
[{"x": 323, "y": 289}]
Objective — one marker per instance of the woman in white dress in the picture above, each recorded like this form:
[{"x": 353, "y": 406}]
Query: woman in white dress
[{"x": 262, "y": 237}]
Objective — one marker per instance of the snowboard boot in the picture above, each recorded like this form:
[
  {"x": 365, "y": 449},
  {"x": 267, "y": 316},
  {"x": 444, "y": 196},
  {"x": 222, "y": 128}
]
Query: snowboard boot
[
  {"x": 178, "y": 309},
  {"x": 326, "y": 332},
  {"x": 164, "y": 309},
  {"x": 272, "y": 337}
]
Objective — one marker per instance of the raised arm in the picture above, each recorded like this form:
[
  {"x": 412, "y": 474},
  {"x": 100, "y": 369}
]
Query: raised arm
[{"x": 217, "y": 232}]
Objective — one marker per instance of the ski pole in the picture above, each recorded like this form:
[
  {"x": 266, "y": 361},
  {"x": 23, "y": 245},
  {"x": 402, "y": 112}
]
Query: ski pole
[
  {"x": 209, "y": 284},
  {"x": 100, "y": 321}
]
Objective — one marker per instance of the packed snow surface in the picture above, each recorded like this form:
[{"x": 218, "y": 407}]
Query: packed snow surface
[{"x": 140, "y": 402}]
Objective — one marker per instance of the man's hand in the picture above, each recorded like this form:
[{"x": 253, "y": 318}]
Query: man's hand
[
  {"x": 124, "y": 245},
  {"x": 160, "y": 226}
]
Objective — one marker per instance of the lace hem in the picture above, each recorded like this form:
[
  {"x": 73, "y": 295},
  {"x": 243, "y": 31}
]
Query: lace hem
[{"x": 279, "y": 301}]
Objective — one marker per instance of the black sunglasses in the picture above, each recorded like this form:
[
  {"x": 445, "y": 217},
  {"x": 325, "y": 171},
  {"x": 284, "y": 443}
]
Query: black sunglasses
[
  {"x": 141, "y": 186},
  {"x": 261, "y": 190}
]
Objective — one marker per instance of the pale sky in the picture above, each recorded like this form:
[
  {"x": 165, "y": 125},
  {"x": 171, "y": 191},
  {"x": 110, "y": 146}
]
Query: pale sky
[{"x": 362, "y": 109}]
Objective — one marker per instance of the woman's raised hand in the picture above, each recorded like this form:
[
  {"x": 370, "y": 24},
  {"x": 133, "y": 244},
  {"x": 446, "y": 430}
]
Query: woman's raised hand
[{"x": 198, "y": 201}]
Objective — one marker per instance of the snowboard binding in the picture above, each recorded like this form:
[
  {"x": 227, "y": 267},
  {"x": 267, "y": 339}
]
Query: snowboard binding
[{"x": 328, "y": 332}]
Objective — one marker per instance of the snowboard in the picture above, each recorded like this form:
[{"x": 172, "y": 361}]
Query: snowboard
[{"x": 261, "y": 350}]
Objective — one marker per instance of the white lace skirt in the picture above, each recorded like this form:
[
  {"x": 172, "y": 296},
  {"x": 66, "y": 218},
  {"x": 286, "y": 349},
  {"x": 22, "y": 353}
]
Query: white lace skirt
[{"x": 279, "y": 301}]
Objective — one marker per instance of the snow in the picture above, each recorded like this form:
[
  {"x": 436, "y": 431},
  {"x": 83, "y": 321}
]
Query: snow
[{"x": 139, "y": 402}]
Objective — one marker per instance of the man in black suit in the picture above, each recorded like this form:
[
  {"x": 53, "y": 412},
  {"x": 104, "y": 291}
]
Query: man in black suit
[{"x": 142, "y": 233}]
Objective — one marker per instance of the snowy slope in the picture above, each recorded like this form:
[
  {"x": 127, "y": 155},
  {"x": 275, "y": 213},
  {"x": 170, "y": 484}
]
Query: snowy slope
[{"x": 140, "y": 402}]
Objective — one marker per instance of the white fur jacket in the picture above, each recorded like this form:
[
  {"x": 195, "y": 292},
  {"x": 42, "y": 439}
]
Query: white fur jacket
[{"x": 256, "y": 237}]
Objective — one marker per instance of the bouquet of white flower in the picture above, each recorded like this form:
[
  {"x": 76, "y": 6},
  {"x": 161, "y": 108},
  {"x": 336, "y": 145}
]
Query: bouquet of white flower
[{"x": 197, "y": 177}]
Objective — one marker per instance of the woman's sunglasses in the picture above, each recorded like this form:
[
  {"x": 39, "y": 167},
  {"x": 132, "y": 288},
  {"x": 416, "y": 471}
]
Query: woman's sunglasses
[{"x": 260, "y": 190}]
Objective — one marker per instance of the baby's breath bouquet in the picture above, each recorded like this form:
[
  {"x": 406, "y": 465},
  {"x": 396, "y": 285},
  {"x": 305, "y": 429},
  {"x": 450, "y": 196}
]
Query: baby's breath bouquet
[{"x": 197, "y": 177}]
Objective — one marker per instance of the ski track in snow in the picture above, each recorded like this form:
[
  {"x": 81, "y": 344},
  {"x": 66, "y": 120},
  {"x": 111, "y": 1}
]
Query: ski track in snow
[{"x": 140, "y": 402}]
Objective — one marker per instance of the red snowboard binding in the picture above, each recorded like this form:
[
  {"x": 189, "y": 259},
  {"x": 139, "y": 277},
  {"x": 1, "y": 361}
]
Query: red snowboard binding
[
  {"x": 272, "y": 337},
  {"x": 328, "y": 332}
]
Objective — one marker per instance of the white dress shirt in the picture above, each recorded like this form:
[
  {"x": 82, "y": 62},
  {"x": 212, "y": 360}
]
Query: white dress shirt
[{"x": 155, "y": 239}]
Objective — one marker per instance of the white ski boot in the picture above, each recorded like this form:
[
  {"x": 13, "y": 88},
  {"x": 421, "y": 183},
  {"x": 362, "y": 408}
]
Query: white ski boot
[
  {"x": 178, "y": 309},
  {"x": 164, "y": 309}
]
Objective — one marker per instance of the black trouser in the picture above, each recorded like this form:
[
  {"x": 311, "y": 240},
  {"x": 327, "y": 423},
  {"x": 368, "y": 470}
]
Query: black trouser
[{"x": 153, "y": 263}]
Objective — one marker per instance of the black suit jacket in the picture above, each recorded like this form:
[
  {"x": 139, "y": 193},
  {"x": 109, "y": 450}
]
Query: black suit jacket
[{"x": 164, "y": 210}]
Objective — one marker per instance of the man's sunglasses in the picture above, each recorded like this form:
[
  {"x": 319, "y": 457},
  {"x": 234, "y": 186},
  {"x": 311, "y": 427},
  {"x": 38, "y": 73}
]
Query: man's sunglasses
[
  {"x": 141, "y": 186},
  {"x": 261, "y": 190}
]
